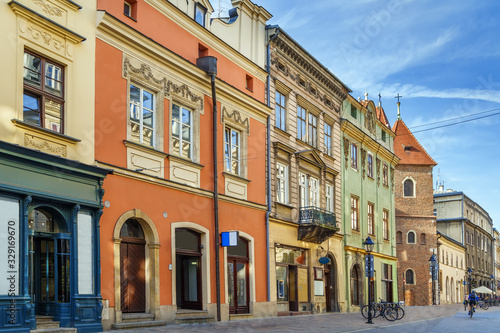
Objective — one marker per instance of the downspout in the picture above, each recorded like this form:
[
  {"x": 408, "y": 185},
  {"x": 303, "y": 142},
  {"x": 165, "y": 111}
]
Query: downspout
[
  {"x": 268, "y": 156},
  {"x": 209, "y": 65}
]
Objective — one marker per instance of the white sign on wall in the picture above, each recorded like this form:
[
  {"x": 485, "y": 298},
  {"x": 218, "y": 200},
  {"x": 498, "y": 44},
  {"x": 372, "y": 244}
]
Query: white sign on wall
[
  {"x": 9, "y": 245},
  {"x": 85, "y": 254}
]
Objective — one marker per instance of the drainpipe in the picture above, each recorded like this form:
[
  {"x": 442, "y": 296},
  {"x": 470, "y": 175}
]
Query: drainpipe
[
  {"x": 209, "y": 65},
  {"x": 269, "y": 28}
]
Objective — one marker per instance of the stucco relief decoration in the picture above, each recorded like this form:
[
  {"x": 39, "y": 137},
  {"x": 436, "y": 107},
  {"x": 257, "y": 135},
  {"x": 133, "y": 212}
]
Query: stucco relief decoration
[
  {"x": 370, "y": 121},
  {"x": 168, "y": 86},
  {"x": 346, "y": 151},
  {"x": 50, "y": 10},
  {"x": 363, "y": 161},
  {"x": 378, "y": 171},
  {"x": 44, "y": 145},
  {"x": 236, "y": 116},
  {"x": 296, "y": 77},
  {"x": 39, "y": 34}
]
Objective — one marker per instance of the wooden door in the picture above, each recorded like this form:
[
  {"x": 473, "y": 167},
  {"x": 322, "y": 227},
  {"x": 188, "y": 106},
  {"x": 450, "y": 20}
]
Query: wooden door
[{"x": 133, "y": 276}]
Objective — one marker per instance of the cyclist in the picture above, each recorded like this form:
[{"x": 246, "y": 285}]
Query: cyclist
[
  {"x": 473, "y": 299},
  {"x": 466, "y": 302}
]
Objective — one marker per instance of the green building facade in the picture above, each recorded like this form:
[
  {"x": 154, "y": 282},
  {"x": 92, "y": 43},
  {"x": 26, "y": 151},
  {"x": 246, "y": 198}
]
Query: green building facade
[{"x": 368, "y": 202}]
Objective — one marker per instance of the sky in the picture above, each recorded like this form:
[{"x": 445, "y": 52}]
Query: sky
[{"x": 443, "y": 57}]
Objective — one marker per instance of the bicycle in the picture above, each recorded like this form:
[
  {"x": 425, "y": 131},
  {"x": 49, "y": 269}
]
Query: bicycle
[
  {"x": 483, "y": 305},
  {"x": 472, "y": 309}
]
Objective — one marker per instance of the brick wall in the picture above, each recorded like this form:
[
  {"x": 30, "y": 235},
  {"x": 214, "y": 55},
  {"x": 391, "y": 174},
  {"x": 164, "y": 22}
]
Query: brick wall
[{"x": 415, "y": 214}]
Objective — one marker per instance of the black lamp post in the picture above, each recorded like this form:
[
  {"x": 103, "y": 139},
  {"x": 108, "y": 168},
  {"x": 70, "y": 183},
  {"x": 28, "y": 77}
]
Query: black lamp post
[
  {"x": 433, "y": 264},
  {"x": 469, "y": 281},
  {"x": 492, "y": 289},
  {"x": 368, "y": 244}
]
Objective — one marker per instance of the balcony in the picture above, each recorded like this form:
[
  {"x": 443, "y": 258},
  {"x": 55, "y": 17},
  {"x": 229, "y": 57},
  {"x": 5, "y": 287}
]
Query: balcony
[{"x": 316, "y": 225}]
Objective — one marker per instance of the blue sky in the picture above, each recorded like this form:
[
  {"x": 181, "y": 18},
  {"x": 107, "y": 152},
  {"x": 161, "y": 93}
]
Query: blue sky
[{"x": 443, "y": 57}]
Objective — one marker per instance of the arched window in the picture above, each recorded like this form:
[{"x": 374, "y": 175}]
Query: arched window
[
  {"x": 399, "y": 237},
  {"x": 411, "y": 237},
  {"x": 410, "y": 277},
  {"x": 408, "y": 188},
  {"x": 356, "y": 285}
]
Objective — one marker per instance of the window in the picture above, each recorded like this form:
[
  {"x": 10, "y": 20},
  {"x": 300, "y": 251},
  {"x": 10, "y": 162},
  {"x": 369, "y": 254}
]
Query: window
[
  {"x": 385, "y": 175},
  {"x": 410, "y": 277},
  {"x": 384, "y": 136},
  {"x": 249, "y": 82},
  {"x": 408, "y": 188},
  {"x": 43, "y": 97},
  {"x": 353, "y": 112},
  {"x": 369, "y": 163},
  {"x": 329, "y": 197},
  {"x": 182, "y": 133},
  {"x": 467, "y": 237},
  {"x": 232, "y": 151},
  {"x": 142, "y": 117},
  {"x": 282, "y": 183},
  {"x": 328, "y": 139},
  {"x": 307, "y": 127},
  {"x": 387, "y": 283},
  {"x": 280, "y": 108},
  {"x": 308, "y": 190},
  {"x": 130, "y": 9},
  {"x": 354, "y": 156},
  {"x": 199, "y": 14},
  {"x": 411, "y": 237},
  {"x": 385, "y": 226},
  {"x": 354, "y": 213},
  {"x": 371, "y": 209}
]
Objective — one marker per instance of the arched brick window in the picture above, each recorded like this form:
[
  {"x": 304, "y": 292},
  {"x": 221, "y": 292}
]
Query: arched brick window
[
  {"x": 408, "y": 188},
  {"x": 410, "y": 277},
  {"x": 399, "y": 237},
  {"x": 411, "y": 237}
]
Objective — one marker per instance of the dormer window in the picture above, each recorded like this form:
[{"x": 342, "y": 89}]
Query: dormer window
[{"x": 200, "y": 13}]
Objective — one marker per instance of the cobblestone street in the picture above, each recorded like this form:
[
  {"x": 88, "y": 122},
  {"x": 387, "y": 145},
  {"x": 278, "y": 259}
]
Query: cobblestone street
[{"x": 443, "y": 318}]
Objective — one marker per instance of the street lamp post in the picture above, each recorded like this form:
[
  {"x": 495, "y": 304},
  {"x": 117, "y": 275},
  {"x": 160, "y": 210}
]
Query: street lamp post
[
  {"x": 433, "y": 264},
  {"x": 492, "y": 289},
  {"x": 469, "y": 281},
  {"x": 368, "y": 244}
]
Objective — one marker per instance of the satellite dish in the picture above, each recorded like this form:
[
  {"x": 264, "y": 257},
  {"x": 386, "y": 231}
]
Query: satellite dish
[{"x": 324, "y": 260}]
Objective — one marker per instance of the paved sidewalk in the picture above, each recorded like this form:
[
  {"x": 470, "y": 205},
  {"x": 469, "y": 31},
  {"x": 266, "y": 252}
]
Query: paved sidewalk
[{"x": 332, "y": 322}]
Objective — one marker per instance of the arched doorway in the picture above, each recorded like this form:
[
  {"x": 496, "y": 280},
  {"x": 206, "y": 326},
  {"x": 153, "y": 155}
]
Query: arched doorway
[
  {"x": 132, "y": 267},
  {"x": 188, "y": 269},
  {"x": 238, "y": 277},
  {"x": 356, "y": 285},
  {"x": 49, "y": 262},
  {"x": 331, "y": 293}
]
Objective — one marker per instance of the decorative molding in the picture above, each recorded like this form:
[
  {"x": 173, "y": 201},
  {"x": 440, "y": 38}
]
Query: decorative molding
[
  {"x": 44, "y": 145},
  {"x": 168, "y": 86},
  {"x": 50, "y": 10},
  {"x": 236, "y": 116},
  {"x": 363, "y": 161},
  {"x": 346, "y": 151},
  {"x": 296, "y": 77},
  {"x": 378, "y": 172},
  {"x": 370, "y": 121}
]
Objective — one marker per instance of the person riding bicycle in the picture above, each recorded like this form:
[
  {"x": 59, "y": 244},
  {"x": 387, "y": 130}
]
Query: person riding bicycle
[{"x": 473, "y": 299}]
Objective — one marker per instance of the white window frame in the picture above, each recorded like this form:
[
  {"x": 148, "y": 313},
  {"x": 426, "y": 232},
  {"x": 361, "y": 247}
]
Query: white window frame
[
  {"x": 281, "y": 110},
  {"x": 369, "y": 165},
  {"x": 139, "y": 108},
  {"x": 354, "y": 156},
  {"x": 329, "y": 196},
  {"x": 385, "y": 224},
  {"x": 370, "y": 218},
  {"x": 308, "y": 190},
  {"x": 414, "y": 238},
  {"x": 229, "y": 159},
  {"x": 179, "y": 138},
  {"x": 414, "y": 183},
  {"x": 354, "y": 213},
  {"x": 282, "y": 183}
]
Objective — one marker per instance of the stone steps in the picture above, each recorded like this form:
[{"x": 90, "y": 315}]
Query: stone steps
[{"x": 193, "y": 317}]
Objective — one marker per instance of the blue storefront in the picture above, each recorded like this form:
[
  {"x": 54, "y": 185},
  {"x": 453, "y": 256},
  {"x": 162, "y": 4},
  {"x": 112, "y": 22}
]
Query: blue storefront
[{"x": 49, "y": 235}]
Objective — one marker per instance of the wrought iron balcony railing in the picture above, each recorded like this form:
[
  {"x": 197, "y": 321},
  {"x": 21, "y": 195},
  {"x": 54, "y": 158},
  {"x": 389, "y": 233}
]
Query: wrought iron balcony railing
[{"x": 315, "y": 215}]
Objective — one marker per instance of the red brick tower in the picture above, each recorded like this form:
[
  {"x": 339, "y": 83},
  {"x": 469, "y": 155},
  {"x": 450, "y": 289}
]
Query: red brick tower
[{"x": 415, "y": 222}]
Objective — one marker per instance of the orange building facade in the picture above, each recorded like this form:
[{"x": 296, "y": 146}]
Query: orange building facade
[{"x": 154, "y": 127}]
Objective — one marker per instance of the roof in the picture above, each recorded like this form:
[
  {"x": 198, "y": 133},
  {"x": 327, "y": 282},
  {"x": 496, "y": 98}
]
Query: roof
[
  {"x": 382, "y": 117},
  {"x": 407, "y": 147}
]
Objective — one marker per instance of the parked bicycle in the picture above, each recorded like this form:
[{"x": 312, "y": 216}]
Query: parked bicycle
[{"x": 390, "y": 311}]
